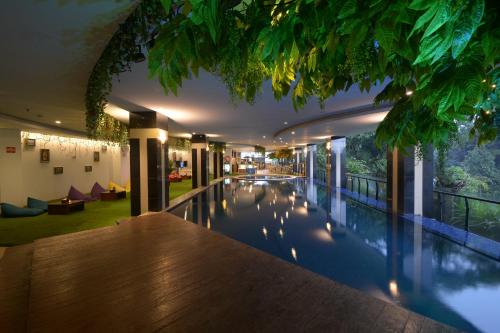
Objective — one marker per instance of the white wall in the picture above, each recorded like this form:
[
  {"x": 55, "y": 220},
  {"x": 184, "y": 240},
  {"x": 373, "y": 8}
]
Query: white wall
[{"x": 23, "y": 175}]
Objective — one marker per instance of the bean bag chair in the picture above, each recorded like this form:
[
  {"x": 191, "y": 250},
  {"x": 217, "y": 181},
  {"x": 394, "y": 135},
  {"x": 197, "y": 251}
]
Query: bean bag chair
[
  {"x": 96, "y": 191},
  {"x": 9, "y": 210},
  {"x": 74, "y": 194},
  {"x": 40, "y": 204},
  {"x": 117, "y": 187}
]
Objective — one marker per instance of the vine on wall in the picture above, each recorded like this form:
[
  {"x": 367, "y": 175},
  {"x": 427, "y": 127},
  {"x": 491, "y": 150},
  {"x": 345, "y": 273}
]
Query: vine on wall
[{"x": 128, "y": 45}]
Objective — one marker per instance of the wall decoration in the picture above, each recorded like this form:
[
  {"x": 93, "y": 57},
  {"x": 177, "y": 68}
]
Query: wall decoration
[
  {"x": 30, "y": 142},
  {"x": 88, "y": 168},
  {"x": 58, "y": 170},
  {"x": 44, "y": 155},
  {"x": 104, "y": 148},
  {"x": 96, "y": 156},
  {"x": 10, "y": 150}
]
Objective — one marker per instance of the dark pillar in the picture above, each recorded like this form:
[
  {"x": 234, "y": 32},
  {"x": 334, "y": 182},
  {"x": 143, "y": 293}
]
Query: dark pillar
[
  {"x": 148, "y": 162},
  {"x": 218, "y": 164},
  {"x": 199, "y": 150},
  {"x": 409, "y": 182}
]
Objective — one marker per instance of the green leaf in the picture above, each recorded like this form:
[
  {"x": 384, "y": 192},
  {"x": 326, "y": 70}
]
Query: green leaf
[
  {"x": 424, "y": 18},
  {"x": 466, "y": 27},
  {"x": 420, "y": 4},
  {"x": 349, "y": 8},
  {"x": 442, "y": 16},
  {"x": 167, "y": 4}
]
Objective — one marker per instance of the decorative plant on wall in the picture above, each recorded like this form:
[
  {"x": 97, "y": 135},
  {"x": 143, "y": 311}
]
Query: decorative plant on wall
[
  {"x": 124, "y": 48},
  {"x": 217, "y": 147},
  {"x": 440, "y": 58},
  {"x": 182, "y": 144}
]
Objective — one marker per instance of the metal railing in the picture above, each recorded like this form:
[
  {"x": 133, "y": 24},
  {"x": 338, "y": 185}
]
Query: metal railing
[
  {"x": 379, "y": 188},
  {"x": 467, "y": 200}
]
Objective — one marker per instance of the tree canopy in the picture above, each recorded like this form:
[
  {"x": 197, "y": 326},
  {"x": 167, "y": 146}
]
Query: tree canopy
[{"x": 440, "y": 56}]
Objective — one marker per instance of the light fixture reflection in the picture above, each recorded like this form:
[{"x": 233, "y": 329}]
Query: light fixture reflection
[
  {"x": 393, "y": 288},
  {"x": 258, "y": 207},
  {"x": 281, "y": 233},
  {"x": 286, "y": 214},
  {"x": 328, "y": 226},
  {"x": 264, "y": 231},
  {"x": 282, "y": 222},
  {"x": 224, "y": 204},
  {"x": 275, "y": 215},
  {"x": 294, "y": 253},
  {"x": 208, "y": 223},
  {"x": 305, "y": 204}
]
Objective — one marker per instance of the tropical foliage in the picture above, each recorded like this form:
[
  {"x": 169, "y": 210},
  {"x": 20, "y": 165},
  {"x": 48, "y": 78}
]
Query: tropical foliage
[
  {"x": 217, "y": 147},
  {"x": 439, "y": 57}
]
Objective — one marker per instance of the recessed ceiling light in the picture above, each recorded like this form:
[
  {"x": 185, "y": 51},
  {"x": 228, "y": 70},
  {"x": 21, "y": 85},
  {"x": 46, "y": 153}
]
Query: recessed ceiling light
[
  {"x": 286, "y": 123},
  {"x": 293, "y": 132},
  {"x": 58, "y": 122},
  {"x": 194, "y": 133},
  {"x": 263, "y": 137}
]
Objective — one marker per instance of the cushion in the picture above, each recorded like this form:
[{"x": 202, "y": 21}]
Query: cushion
[
  {"x": 36, "y": 203},
  {"x": 117, "y": 187},
  {"x": 96, "y": 191},
  {"x": 74, "y": 194},
  {"x": 9, "y": 210}
]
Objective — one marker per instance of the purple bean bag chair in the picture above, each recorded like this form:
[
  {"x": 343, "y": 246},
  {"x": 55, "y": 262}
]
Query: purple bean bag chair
[
  {"x": 96, "y": 191},
  {"x": 74, "y": 194}
]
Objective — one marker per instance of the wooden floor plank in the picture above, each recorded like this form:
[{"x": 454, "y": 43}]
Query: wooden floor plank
[
  {"x": 161, "y": 273},
  {"x": 15, "y": 274}
]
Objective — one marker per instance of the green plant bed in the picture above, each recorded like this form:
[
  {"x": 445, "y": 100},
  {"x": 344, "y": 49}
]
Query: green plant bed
[{"x": 98, "y": 214}]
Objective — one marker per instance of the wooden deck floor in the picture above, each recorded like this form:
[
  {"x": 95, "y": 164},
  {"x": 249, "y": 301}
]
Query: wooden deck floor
[{"x": 160, "y": 273}]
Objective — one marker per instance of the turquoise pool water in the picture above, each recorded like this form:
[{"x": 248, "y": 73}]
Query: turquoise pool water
[{"x": 332, "y": 235}]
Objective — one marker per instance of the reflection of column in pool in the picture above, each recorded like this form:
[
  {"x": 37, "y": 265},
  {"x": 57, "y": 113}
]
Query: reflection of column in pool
[
  {"x": 393, "y": 260},
  {"x": 204, "y": 208},
  {"x": 339, "y": 209},
  {"x": 417, "y": 256},
  {"x": 196, "y": 208},
  {"x": 312, "y": 194}
]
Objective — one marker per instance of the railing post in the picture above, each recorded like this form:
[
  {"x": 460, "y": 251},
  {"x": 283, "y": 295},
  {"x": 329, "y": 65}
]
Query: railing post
[
  {"x": 466, "y": 214},
  {"x": 376, "y": 190},
  {"x": 367, "y": 188},
  {"x": 441, "y": 207},
  {"x": 359, "y": 185},
  {"x": 352, "y": 184}
]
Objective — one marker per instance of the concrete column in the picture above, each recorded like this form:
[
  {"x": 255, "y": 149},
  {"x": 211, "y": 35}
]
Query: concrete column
[
  {"x": 409, "y": 182},
  {"x": 148, "y": 162},
  {"x": 199, "y": 150},
  {"x": 298, "y": 160},
  {"x": 338, "y": 161},
  {"x": 310, "y": 161}
]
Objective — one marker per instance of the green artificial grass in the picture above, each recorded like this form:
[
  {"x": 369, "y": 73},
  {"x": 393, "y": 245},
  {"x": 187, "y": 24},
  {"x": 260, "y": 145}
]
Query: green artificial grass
[{"x": 97, "y": 214}]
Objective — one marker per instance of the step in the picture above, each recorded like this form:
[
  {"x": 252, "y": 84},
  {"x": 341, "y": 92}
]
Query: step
[{"x": 15, "y": 275}]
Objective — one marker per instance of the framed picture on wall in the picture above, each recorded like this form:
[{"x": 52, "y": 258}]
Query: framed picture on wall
[
  {"x": 104, "y": 148},
  {"x": 30, "y": 142},
  {"x": 88, "y": 168},
  {"x": 58, "y": 170},
  {"x": 96, "y": 156},
  {"x": 44, "y": 155}
]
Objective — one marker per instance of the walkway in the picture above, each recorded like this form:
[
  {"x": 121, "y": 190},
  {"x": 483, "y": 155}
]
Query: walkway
[{"x": 160, "y": 273}]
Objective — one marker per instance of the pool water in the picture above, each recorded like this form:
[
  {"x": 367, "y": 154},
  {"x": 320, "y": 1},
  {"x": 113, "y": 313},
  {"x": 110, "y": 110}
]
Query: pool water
[{"x": 333, "y": 235}]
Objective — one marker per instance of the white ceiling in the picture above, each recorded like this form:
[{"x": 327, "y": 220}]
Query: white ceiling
[
  {"x": 203, "y": 105},
  {"x": 49, "y": 48}
]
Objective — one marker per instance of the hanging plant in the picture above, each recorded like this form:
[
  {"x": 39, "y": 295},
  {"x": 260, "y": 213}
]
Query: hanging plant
[
  {"x": 218, "y": 147},
  {"x": 261, "y": 150},
  {"x": 127, "y": 45},
  {"x": 441, "y": 58},
  {"x": 181, "y": 144}
]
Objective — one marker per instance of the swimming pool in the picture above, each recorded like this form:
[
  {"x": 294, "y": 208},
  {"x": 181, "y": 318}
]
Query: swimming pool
[{"x": 333, "y": 235}]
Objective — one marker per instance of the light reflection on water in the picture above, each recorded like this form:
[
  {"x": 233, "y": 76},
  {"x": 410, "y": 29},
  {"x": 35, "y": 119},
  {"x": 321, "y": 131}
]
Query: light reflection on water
[{"x": 361, "y": 247}]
